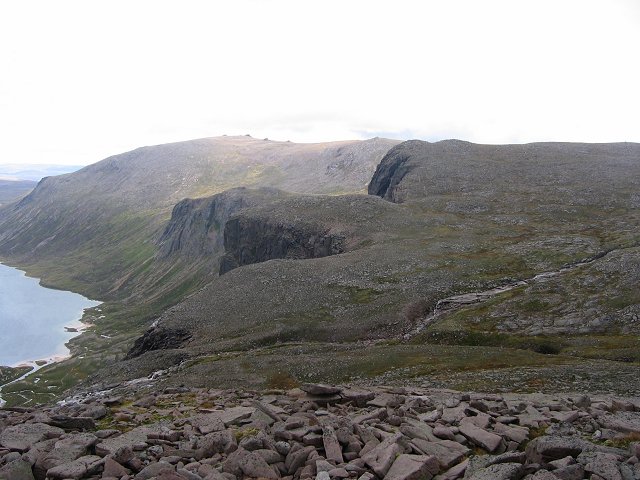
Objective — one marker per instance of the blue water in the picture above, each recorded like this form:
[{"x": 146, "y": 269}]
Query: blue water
[{"x": 32, "y": 318}]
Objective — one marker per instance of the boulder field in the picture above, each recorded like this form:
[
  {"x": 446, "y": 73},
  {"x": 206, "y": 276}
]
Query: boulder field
[{"x": 323, "y": 432}]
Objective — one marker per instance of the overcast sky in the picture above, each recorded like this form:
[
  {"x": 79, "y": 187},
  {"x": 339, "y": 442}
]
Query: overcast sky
[{"x": 81, "y": 80}]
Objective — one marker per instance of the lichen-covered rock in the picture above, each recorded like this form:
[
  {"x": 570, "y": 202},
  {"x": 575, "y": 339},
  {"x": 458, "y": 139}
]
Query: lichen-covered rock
[
  {"x": 483, "y": 438},
  {"x": 382, "y": 456},
  {"x": 413, "y": 467},
  {"x": 77, "y": 469},
  {"x": 501, "y": 471},
  {"x": 548, "y": 448},
  {"x": 16, "y": 470}
]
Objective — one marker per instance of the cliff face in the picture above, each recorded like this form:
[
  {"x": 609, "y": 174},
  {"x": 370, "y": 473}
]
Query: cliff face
[
  {"x": 304, "y": 227},
  {"x": 197, "y": 225},
  {"x": 392, "y": 169},
  {"x": 158, "y": 338},
  {"x": 245, "y": 226},
  {"x": 250, "y": 240}
]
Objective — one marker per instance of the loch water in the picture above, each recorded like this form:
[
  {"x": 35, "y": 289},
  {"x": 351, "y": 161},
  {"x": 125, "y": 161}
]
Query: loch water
[{"x": 33, "y": 318}]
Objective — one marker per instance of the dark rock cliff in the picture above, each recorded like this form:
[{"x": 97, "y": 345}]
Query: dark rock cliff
[
  {"x": 250, "y": 240},
  {"x": 158, "y": 338},
  {"x": 251, "y": 226},
  {"x": 197, "y": 225},
  {"x": 392, "y": 169}
]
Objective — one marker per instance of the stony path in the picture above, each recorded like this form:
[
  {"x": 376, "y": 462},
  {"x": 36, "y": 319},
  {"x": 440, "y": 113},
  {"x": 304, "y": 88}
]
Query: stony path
[{"x": 323, "y": 432}]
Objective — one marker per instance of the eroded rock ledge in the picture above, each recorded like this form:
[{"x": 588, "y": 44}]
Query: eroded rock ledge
[
  {"x": 323, "y": 432},
  {"x": 249, "y": 239},
  {"x": 197, "y": 225},
  {"x": 158, "y": 338}
]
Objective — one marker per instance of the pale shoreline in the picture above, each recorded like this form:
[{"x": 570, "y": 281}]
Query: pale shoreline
[
  {"x": 36, "y": 365},
  {"x": 76, "y": 328},
  {"x": 72, "y": 329}
]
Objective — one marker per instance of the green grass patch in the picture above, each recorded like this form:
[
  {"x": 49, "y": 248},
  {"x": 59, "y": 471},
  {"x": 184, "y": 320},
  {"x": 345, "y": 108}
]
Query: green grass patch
[
  {"x": 543, "y": 345},
  {"x": 619, "y": 348},
  {"x": 534, "y": 305},
  {"x": 623, "y": 300},
  {"x": 624, "y": 441},
  {"x": 9, "y": 374},
  {"x": 282, "y": 380},
  {"x": 362, "y": 295}
]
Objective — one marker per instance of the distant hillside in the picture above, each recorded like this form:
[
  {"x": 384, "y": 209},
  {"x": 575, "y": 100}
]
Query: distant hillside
[
  {"x": 34, "y": 172},
  {"x": 94, "y": 230},
  {"x": 12, "y": 190}
]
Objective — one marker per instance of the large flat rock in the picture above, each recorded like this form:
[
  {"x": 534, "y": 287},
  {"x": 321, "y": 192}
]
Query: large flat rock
[
  {"x": 626, "y": 422},
  {"x": 487, "y": 440},
  {"x": 109, "y": 446},
  {"x": 228, "y": 417},
  {"x": 413, "y": 467},
  {"x": 21, "y": 437},
  {"x": 16, "y": 470},
  {"x": 77, "y": 469}
]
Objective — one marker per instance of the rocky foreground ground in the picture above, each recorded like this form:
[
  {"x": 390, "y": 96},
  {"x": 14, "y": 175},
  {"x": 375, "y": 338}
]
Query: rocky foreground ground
[{"x": 323, "y": 432}]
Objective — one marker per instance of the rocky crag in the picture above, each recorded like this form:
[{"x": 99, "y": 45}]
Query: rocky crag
[{"x": 322, "y": 432}]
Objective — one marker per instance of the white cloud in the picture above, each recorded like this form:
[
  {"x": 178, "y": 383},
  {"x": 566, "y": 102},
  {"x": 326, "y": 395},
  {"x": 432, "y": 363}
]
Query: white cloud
[{"x": 83, "y": 80}]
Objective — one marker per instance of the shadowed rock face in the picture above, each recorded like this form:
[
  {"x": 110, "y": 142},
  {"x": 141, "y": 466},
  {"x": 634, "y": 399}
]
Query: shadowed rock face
[
  {"x": 158, "y": 338},
  {"x": 392, "y": 169},
  {"x": 207, "y": 227},
  {"x": 253, "y": 240},
  {"x": 197, "y": 225}
]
